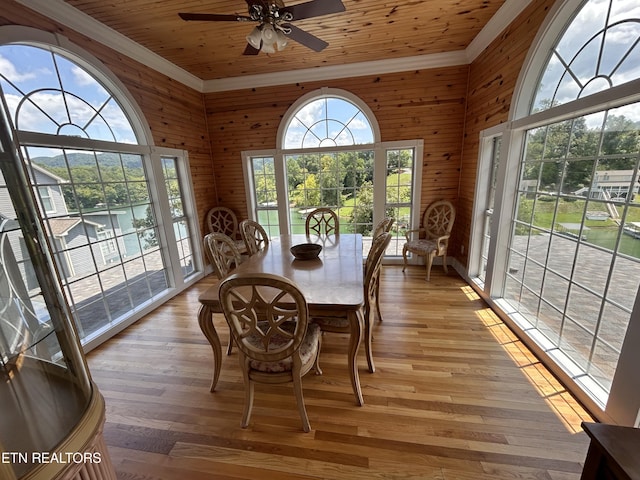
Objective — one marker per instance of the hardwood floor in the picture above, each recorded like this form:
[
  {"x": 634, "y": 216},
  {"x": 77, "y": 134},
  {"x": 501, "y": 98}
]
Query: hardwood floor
[{"x": 455, "y": 396}]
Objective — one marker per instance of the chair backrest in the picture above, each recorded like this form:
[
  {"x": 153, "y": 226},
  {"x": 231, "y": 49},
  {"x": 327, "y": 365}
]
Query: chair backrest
[
  {"x": 246, "y": 298},
  {"x": 438, "y": 219},
  {"x": 322, "y": 221},
  {"x": 254, "y": 235},
  {"x": 383, "y": 225},
  {"x": 373, "y": 263},
  {"x": 222, "y": 220},
  {"x": 222, "y": 252}
]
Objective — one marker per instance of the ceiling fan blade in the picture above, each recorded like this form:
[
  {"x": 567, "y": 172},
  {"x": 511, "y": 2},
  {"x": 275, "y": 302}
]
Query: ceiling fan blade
[
  {"x": 306, "y": 39},
  {"x": 314, "y": 8},
  {"x": 250, "y": 50},
  {"x": 213, "y": 17}
]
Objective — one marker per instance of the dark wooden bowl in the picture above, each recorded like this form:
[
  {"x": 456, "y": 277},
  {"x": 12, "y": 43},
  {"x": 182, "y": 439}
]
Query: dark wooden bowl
[{"x": 306, "y": 251}]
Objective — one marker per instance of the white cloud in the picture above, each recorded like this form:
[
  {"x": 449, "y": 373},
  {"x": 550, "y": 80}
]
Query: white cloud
[
  {"x": 9, "y": 71},
  {"x": 83, "y": 78}
]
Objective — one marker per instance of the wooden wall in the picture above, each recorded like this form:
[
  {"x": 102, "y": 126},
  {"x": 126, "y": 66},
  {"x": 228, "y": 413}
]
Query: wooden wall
[
  {"x": 174, "y": 112},
  {"x": 492, "y": 80},
  {"x": 422, "y": 104}
]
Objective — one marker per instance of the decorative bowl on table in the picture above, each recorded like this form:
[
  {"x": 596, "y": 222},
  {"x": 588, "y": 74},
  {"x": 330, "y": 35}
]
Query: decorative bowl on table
[{"x": 306, "y": 251}]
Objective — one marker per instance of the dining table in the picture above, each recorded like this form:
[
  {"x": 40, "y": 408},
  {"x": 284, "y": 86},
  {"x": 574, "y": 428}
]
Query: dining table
[{"x": 332, "y": 285}]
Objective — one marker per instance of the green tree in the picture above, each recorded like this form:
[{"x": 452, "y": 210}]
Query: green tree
[
  {"x": 265, "y": 182},
  {"x": 362, "y": 213},
  {"x": 306, "y": 194},
  {"x": 145, "y": 231}
]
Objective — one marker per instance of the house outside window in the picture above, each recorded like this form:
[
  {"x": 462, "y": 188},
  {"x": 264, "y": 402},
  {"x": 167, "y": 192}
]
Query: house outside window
[
  {"x": 102, "y": 186},
  {"x": 562, "y": 263},
  {"x": 330, "y": 155}
]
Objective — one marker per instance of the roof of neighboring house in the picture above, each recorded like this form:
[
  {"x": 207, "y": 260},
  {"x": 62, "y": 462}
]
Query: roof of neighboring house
[
  {"x": 61, "y": 226},
  {"x": 48, "y": 173}
]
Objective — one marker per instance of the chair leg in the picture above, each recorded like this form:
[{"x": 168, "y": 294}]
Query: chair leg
[
  {"x": 316, "y": 363},
  {"x": 429, "y": 262},
  {"x": 368, "y": 337},
  {"x": 297, "y": 389},
  {"x": 444, "y": 263},
  {"x": 248, "y": 392},
  {"x": 378, "y": 311},
  {"x": 404, "y": 257},
  {"x": 230, "y": 346}
]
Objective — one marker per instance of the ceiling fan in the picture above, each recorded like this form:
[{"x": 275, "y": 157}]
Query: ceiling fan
[{"x": 274, "y": 27}]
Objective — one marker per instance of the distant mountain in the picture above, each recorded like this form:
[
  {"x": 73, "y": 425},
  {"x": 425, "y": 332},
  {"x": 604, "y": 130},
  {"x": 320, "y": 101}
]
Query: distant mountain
[{"x": 88, "y": 160}]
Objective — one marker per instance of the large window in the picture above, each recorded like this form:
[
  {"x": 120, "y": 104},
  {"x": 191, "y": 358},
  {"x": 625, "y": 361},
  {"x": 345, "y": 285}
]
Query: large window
[
  {"x": 117, "y": 212},
  {"x": 331, "y": 159},
  {"x": 564, "y": 261}
]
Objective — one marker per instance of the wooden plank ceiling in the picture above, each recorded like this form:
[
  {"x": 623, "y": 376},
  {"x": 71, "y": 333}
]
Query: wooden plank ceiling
[{"x": 368, "y": 30}]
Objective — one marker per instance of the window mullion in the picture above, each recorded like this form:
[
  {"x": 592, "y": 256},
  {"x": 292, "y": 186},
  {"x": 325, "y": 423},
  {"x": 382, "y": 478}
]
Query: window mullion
[
  {"x": 281, "y": 192},
  {"x": 505, "y": 201}
]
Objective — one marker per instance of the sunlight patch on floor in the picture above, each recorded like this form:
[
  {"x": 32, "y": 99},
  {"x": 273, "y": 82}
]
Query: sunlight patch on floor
[{"x": 556, "y": 396}]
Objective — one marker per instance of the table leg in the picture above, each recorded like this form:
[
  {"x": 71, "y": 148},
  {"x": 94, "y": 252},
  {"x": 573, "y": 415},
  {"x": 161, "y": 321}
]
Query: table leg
[
  {"x": 356, "y": 322},
  {"x": 205, "y": 319}
]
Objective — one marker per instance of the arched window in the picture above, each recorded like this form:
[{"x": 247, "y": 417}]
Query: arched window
[
  {"x": 330, "y": 155},
  {"x": 96, "y": 179},
  {"x": 328, "y": 122},
  {"x": 564, "y": 255}
]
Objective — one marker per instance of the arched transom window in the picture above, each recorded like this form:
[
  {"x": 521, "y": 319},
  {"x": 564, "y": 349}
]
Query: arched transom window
[
  {"x": 599, "y": 49},
  {"x": 328, "y": 122},
  {"x": 48, "y": 93}
]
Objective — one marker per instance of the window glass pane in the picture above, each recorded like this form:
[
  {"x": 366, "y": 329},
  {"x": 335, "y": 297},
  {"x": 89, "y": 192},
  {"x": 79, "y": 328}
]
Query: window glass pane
[
  {"x": 399, "y": 195},
  {"x": 90, "y": 242}
]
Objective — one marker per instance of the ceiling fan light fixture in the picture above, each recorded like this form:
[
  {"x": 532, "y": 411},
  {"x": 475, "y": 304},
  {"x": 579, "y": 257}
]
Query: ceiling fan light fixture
[
  {"x": 268, "y": 48},
  {"x": 255, "y": 38},
  {"x": 281, "y": 40},
  {"x": 274, "y": 30},
  {"x": 268, "y": 34}
]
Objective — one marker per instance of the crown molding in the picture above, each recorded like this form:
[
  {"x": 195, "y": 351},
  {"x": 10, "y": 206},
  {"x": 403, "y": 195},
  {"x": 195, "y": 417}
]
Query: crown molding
[
  {"x": 65, "y": 14},
  {"x": 377, "y": 67},
  {"x": 506, "y": 14},
  {"x": 71, "y": 17}
]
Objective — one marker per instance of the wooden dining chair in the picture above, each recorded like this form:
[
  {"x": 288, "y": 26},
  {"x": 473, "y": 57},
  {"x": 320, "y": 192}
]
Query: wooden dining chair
[
  {"x": 322, "y": 221},
  {"x": 224, "y": 256},
  {"x": 281, "y": 348},
  {"x": 222, "y": 253},
  {"x": 371, "y": 280},
  {"x": 254, "y": 236},
  {"x": 433, "y": 236},
  {"x": 382, "y": 226},
  {"x": 224, "y": 220}
]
